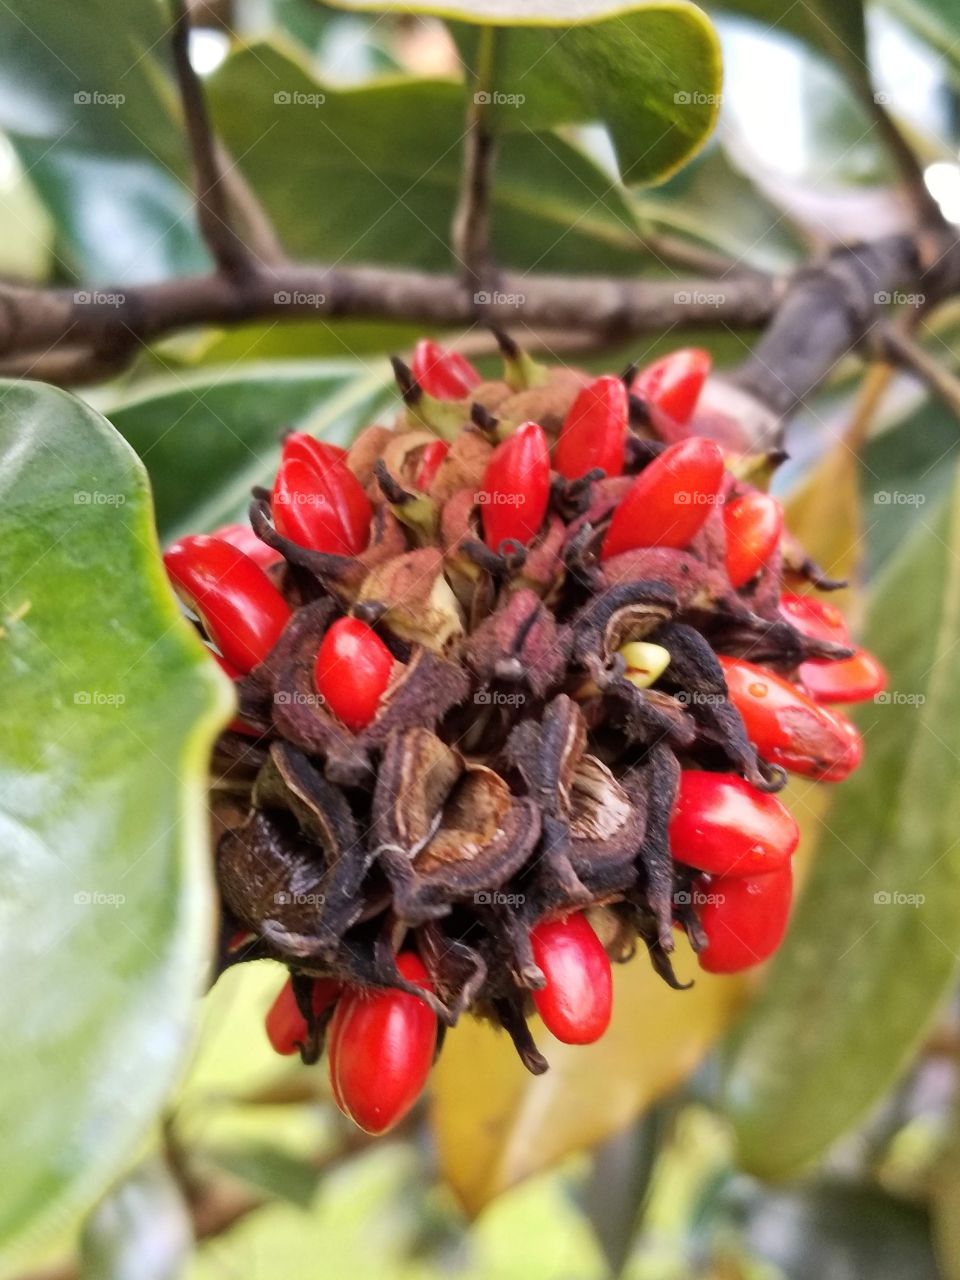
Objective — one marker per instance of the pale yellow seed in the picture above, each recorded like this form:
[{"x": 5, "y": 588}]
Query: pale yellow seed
[{"x": 645, "y": 662}]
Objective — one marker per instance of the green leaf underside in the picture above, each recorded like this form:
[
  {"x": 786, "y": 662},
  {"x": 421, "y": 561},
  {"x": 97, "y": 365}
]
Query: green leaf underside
[
  {"x": 222, "y": 429},
  {"x": 873, "y": 948},
  {"x": 650, "y": 71},
  {"x": 108, "y": 714}
]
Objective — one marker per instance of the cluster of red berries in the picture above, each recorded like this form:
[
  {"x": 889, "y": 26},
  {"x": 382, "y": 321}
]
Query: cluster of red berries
[{"x": 561, "y": 496}]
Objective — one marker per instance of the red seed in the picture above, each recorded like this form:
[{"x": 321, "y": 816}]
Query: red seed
[
  {"x": 670, "y": 499},
  {"x": 855, "y": 679},
  {"x": 430, "y": 463},
  {"x": 352, "y": 670},
  {"x": 744, "y": 919},
  {"x": 723, "y": 825},
  {"x": 244, "y": 539},
  {"x": 447, "y": 375},
  {"x": 673, "y": 383},
  {"x": 754, "y": 523},
  {"x": 242, "y": 611},
  {"x": 815, "y": 618},
  {"x": 316, "y": 453},
  {"x": 324, "y": 510},
  {"x": 577, "y": 1001},
  {"x": 788, "y": 728},
  {"x": 594, "y": 431},
  {"x": 381, "y": 1049},
  {"x": 286, "y": 1026},
  {"x": 516, "y": 487}
]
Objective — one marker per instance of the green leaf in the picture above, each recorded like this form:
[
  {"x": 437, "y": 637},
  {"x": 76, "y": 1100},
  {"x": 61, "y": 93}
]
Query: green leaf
[
  {"x": 108, "y": 714},
  {"x": 278, "y": 1173},
  {"x": 834, "y": 27},
  {"x": 872, "y": 950},
  {"x": 222, "y": 429},
  {"x": 86, "y": 102},
  {"x": 649, "y": 70},
  {"x": 372, "y": 174}
]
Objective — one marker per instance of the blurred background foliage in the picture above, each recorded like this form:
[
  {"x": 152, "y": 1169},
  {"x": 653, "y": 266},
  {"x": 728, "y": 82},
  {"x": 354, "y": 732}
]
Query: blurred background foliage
[{"x": 644, "y": 1156}]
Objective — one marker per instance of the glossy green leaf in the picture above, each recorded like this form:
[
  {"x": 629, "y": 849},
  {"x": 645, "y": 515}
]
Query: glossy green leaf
[
  {"x": 649, "y": 70},
  {"x": 872, "y": 950},
  {"x": 86, "y": 102},
  {"x": 208, "y": 438},
  {"x": 108, "y": 714},
  {"x": 372, "y": 174}
]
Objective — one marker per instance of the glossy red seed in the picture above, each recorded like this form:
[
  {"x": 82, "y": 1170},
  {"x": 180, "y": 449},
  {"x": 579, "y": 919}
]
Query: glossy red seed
[
  {"x": 324, "y": 510},
  {"x": 855, "y": 679},
  {"x": 242, "y": 611},
  {"x": 430, "y": 462},
  {"x": 787, "y": 727},
  {"x": 381, "y": 1049},
  {"x": 723, "y": 825},
  {"x": 577, "y": 1001},
  {"x": 442, "y": 373},
  {"x": 815, "y": 618},
  {"x": 669, "y": 500},
  {"x": 744, "y": 919},
  {"x": 316, "y": 453},
  {"x": 753, "y": 523},
  {"x": 244, "y": 539},
  {"x": 673, "y": 383},
  {"x": 285, "y": 1025},
  {"x": 516, "y": 487},
  {"x": 352, "y": 670},
  {"x": 594, "y": 431}
]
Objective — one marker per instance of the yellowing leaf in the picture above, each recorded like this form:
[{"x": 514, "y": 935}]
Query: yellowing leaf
[{"x": 496, "y": 1124}]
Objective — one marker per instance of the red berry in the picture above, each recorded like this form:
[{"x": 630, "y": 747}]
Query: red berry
[
  {"x": 849, "y": 680},
  {"x": 242, "y": 611},
  {"x": 316, "y": 453},
  {"x": 576, "y": 1002},
  {"x": 744, "y": 918},
  {"x": 244, "y": 539},
  {"x": 853, "y": 679},
  {"x": 382, "y": 1044},
  {"x": 352, "y": 671},
  {"x": 286, "y": 1026},
  {"x": 723, "y": 825},
  {"x": 594, "y": 431},
  {"x": 325, "y": 510},
  {"x": 788, "y": 728},
  {"x": 670, "y": 499},
  {"x": 430, "y": 461},
  {"x": 516, "y": 487},
  {"x": 753, "y": 523},
  {"x": 673, "y": 383},
  {"x": 447, "y": 375}
]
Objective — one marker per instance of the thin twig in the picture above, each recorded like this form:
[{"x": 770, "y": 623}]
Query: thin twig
[
  {"x": 213, "y": 214},
  {"x": 908, "y": 354},
  {"x": 470, "y": 233}
]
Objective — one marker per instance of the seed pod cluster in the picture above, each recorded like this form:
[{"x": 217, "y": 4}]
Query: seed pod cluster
[{"x": 518, "y": 677}]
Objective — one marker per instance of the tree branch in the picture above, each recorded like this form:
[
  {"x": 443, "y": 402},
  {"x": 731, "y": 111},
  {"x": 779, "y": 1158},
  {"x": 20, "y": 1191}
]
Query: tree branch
[{"x": 471, "y": 222}]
